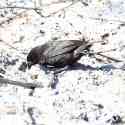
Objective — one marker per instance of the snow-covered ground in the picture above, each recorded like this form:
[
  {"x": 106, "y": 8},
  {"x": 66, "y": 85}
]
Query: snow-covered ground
[{"x": 91, "y": 95}]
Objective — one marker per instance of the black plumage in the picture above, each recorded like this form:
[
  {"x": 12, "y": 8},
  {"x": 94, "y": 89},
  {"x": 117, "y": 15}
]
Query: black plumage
[{"x": 58, "y": 53}]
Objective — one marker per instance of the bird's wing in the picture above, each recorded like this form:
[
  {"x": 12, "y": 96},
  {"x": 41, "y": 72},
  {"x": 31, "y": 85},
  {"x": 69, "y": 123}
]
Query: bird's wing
[{"x": 60, "y": 47}]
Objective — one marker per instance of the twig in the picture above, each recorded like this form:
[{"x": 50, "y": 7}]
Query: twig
[
  {"x": 37, "y": 9},
  {"x": 8, "y": 45},
  {"x": 31, "y": 8},
  {"x": 22, "y": 84},
  {"x": 103, "y": 51},
  {"x": 62, "y": 9},
  {"x": 40, "y": 9},
  {"x": 11, "y": 18},
  {"x": 110, "y": 58},
  {"x": 105, "y": 19},
  {"x": 19, "y": 7}
]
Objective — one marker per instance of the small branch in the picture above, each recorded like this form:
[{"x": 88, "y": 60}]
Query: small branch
[
  {"x": 19, "y": 7},
  {"x": 105, "y": 19},
  {"x": 62, "y": 9},
  {"x": 11, "y": 18},
  {"x": 110, "y": 58},
  {"x": 9, "y": 45},
  {"x": 22, "y": 84},
  {"x": 12, "y": 47},
  {"x": 110, "y": 50}
]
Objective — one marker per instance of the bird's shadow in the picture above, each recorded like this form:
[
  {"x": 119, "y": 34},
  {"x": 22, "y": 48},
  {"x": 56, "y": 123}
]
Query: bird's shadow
[
  {"x": 76, "y": 66},
  {"x": 79, "y": 66}
]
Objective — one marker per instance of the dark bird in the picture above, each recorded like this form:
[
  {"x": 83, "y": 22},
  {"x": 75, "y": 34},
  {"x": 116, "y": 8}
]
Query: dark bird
[{"x": 58, "y": 54}]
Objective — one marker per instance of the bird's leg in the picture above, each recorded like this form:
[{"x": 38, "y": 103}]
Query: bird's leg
[
  {"x": 55, "y": 81},
  {"x": 30, "y": 111},
  {"x": 32, "y": 91}
]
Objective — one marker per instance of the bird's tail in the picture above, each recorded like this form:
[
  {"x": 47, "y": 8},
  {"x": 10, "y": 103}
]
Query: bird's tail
[{"x": 86, "y": 50}]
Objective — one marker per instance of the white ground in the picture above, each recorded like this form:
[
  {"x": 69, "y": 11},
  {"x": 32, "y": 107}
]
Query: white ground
[{"x": 92, "y": 96}]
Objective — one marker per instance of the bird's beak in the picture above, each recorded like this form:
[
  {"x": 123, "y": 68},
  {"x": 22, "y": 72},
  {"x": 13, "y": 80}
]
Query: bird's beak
[{"x": 29, "y": 64}]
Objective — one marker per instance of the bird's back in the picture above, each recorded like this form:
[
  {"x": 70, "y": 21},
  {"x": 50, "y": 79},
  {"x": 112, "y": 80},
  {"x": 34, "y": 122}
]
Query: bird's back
[
  {"x": 60, "y": 53},
  {"x": 61, "y": 47}
]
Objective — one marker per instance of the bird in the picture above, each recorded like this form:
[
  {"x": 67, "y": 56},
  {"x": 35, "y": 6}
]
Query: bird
[{"x": 59, "y": 53}]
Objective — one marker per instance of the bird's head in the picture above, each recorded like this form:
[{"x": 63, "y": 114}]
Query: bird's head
[{"x": 33, "y": 57}]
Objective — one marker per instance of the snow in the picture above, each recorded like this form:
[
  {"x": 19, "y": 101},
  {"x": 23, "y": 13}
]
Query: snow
[{"x": 91, "y": 95}]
